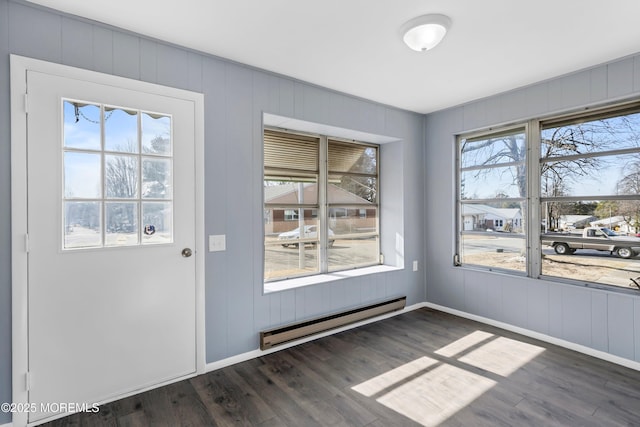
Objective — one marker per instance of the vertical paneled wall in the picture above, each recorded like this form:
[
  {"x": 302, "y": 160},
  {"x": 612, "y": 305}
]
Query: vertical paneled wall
[
  {"x": 602, "y": 320},
  {"x": 235, "y": 97}
]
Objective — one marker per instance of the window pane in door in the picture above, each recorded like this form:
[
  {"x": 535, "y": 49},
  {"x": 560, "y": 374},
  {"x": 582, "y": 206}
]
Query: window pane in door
[
  {"x": 82, "y": 228},
  {"x": 82, "y": 175},
  {"x": 121, "y": 224},
  {"x": 156, "y": 134},
  {"x": 157, "y": 222},
  {"x": 156, "y": 178},
  {"x": 120, "y": 130},
  {"x": 121, "y": 176},
  {"x": 81, "y": 125}
]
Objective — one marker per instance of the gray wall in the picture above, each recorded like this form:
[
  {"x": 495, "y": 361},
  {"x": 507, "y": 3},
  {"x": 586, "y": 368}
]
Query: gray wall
[
  {"x": 605, "y": 321},
  {"x": 235, "y": 97},
  {"x": 417, "y": 177}
]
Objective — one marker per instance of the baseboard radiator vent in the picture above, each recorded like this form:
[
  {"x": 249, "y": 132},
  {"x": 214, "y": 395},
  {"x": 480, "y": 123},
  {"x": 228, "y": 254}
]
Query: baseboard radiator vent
[{"x": 284, "y": 334}]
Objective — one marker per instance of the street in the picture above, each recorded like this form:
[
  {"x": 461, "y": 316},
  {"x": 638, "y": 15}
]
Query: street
[
  {"x": 281, "y": 262},
  {"x": 584, "y": 265}
]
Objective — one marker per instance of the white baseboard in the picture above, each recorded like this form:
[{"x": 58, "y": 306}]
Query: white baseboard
[
  {"x": 257, "y": 353},
  {"x": 526, "y": 332},
  {"x": 539, "y": 336},
  {"x": 7, "y": 425}
]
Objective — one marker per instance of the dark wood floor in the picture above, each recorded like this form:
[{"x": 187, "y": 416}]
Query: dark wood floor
[{"x": 420, "y": 368}]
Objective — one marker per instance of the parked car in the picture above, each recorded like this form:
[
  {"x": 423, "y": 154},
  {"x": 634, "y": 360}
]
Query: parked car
[
  {"x": 598, "y": 238},
  {"x": 310, "y": 232}
]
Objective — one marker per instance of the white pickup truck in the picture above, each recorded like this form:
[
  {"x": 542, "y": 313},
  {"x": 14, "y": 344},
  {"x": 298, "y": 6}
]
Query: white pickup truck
[{"x": 598, "y": 238}]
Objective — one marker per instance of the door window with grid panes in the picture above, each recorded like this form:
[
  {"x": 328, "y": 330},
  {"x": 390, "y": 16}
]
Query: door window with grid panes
[{"x": 118, "y": 169}]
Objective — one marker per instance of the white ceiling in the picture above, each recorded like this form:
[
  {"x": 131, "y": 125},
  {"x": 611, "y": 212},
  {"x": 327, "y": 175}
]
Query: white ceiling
[{"x": 354, "y": 46}]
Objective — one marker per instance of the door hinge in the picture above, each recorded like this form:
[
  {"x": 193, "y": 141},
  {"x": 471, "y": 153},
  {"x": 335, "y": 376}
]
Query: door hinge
[
  {"x": 26, "y": 243},
  {"x": 26, "y": 103},
  {"x": 27, "y": 381}
]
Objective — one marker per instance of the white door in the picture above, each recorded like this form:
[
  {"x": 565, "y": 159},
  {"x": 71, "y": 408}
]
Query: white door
[{"x": 111, "y": 208}]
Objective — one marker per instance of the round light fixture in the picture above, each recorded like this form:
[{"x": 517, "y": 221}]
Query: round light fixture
[{"x": 425, "y": 32}]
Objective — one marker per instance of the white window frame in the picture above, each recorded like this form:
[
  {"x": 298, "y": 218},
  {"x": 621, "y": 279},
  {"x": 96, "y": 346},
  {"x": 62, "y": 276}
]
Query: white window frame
[
  {"x": 534, "y": 197},
  {"x": 459, "y": 221},
  {"x": 323, "y": 208},
  {"x": 103, "y": 199}
]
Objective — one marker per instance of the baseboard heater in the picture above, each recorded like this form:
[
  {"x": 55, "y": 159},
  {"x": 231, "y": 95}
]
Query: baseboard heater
[{"x": 284, "y": 334}]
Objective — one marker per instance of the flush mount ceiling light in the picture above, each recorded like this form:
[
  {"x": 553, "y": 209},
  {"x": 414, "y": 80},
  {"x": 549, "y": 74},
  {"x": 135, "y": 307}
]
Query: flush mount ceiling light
[{"x": 425, "y": 32}]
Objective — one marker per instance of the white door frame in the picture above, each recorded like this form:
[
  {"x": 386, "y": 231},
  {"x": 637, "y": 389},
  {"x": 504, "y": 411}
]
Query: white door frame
[{"x": 19, "y": 240}]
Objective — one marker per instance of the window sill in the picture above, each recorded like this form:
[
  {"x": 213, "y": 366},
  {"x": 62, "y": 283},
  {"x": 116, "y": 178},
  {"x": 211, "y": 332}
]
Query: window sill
[{"x": 283, "y": 285}]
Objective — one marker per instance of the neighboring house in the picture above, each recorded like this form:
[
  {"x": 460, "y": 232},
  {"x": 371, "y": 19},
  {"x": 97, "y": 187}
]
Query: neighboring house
[
  {"x": 575, "y": 221},
  {"x": 344, "y": 219},
  {"x": 616, "y": 223},
  {"x": 483, "y": 217}
]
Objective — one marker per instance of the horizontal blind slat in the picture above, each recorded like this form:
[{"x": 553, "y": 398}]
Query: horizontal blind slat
[
  {"x": 351, "y": 158},
  {"x": 290, "y": 152}
]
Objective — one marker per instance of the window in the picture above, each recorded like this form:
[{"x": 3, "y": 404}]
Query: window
[
  {"x": 117, "y": 165},
  {"x": 590, "y": 197},
  {"x": 575, "y": 202},
  {"x": 290, "y": 214},
  {"x": 321, "y": 205},
  {"x": 492, "y": 200}
]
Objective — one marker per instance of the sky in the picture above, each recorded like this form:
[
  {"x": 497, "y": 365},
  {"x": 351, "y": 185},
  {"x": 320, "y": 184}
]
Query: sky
[
  {"x": 597, "y": 136},
  {"x": 82, "y": 169}
]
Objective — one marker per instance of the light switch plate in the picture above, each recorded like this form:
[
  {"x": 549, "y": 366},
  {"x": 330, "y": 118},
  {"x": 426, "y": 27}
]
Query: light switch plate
[
  {"x": 415, "y": 265},
  {"x": 217, "y": 243}
]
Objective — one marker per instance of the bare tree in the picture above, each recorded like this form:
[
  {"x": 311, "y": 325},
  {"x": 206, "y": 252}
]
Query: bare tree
[
  {"x": 121, "y": 182},
  {"x": 509, "y": 150},
  {"x": 121, "y": 176},
  {"x": 503, "y": 149},
  {"x": 630, "y": 185},
  {"x": 553, "y": 186},
  {"x": 567, "y": 143},
  {"x": 562, "y": 142},
  {"x": 362, "y": 184}
]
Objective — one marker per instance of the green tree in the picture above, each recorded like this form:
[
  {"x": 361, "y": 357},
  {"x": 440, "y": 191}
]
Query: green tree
[
  {"x": 583, "y": 208},
  {"x": 607, "y": 209}
]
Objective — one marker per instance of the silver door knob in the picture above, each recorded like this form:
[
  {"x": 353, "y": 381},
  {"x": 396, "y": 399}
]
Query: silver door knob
[{"x": 186, "y": 252}]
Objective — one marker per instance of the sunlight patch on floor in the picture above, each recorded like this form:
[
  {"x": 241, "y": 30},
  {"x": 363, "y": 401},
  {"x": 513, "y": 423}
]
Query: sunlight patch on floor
[
  {"x": 393, "y": 377},
  {"x": 429, "y": 390},
  {"x": 464, "y": 343},
  {"x": 502, "y": 356},
  {"x": 434, "y": 396}
]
